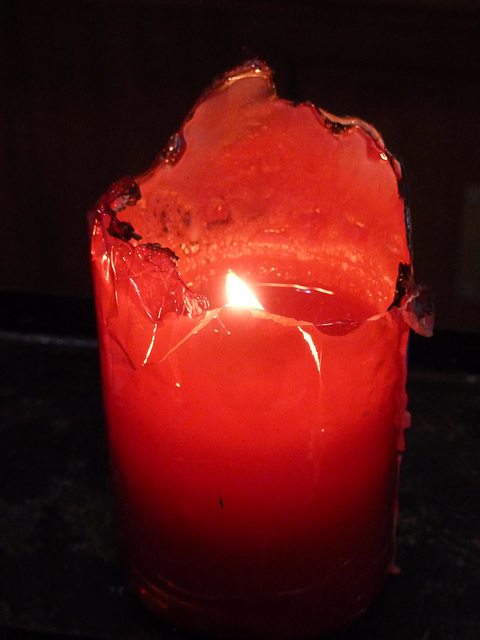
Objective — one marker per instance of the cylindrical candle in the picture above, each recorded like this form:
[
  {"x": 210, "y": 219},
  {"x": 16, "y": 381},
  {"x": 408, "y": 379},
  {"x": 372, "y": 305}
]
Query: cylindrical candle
[{"x": 255, "y": 452}]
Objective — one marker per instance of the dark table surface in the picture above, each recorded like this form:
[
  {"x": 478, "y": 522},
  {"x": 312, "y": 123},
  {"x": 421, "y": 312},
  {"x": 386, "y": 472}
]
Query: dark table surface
[{"x": 59, "y": 576}]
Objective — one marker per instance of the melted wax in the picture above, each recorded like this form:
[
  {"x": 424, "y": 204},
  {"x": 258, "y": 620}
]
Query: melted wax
[{"x": 256, "y": 452}]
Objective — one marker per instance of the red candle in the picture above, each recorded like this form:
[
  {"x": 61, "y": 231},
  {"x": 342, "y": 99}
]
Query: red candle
[{"x": 256, "y": 451}]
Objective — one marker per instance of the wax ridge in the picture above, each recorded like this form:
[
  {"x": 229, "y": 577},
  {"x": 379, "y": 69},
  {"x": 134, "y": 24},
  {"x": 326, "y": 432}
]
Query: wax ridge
[{"x": 127, "y": 192}]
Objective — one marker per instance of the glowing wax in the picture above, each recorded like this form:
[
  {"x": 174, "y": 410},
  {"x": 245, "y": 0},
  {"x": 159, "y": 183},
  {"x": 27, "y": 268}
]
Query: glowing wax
[{"x": 256, "y": 451}]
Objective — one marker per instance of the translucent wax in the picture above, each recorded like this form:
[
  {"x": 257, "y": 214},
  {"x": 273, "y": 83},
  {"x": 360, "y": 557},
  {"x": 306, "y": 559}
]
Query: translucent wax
[{"x": 256, "y": 452}]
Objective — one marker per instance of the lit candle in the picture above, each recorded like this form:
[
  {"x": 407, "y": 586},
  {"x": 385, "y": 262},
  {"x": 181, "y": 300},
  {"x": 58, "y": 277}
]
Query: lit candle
[{"x": 255, "y": 443}]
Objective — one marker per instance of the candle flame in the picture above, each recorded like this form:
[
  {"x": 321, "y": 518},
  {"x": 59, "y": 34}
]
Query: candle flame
[{"x": 238, "y": 294}]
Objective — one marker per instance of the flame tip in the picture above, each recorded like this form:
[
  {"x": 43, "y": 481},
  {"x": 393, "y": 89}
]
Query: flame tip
[{"x": 238, "y": 293}]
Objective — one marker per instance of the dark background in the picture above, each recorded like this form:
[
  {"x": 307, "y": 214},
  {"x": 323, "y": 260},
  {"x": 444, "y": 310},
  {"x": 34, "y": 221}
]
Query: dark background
[{"x": 92, "y": 90}]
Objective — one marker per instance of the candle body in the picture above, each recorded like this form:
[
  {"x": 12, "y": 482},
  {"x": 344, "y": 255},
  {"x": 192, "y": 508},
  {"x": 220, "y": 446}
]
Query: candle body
[
  {"x": 255, "y": 453},
  {"x": 255, "y": 460}
]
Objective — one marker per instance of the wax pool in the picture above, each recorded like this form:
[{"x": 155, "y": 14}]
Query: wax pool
[{"x": 255, "y": 452}]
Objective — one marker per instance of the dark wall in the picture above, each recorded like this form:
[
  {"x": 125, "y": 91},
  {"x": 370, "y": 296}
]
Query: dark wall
[{"x": 92, "y": 90}]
